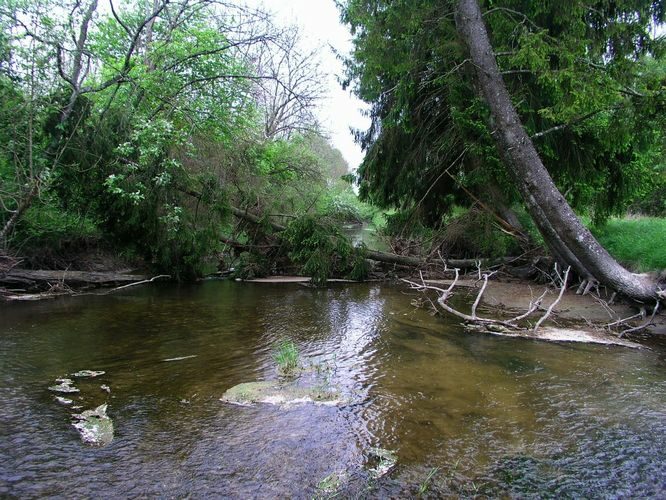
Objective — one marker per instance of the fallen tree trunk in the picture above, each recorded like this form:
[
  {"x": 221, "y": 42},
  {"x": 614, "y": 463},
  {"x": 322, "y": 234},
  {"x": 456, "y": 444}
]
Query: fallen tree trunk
[
  {"x": 390, "y": 258},
  {"x": 35, "y": 277},
  {"x": 245, "y": 215},
  {"x": 385, "y": 257},
  {"x": 403, "y": 260}
]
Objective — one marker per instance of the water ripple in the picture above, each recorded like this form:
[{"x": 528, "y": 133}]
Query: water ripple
[{"x": 496, "y": 416}]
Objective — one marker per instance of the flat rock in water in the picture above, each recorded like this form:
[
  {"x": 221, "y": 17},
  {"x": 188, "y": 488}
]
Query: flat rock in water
[
  {"x": 64, "y": 386},
  {"x": 88, "y": 373},
  {"x": 381, "y": 461},
  {"x": 94, "y": 426},
  {"x": 331, "y": 484},
  {"x": 280, "y": 393}
]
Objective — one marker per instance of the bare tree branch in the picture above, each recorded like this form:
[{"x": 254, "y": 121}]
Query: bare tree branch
[{"x": 556, "y": 301}]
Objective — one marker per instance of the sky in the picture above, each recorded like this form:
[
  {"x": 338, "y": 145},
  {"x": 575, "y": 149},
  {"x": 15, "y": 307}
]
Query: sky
[{"x": 319, "y": 21}]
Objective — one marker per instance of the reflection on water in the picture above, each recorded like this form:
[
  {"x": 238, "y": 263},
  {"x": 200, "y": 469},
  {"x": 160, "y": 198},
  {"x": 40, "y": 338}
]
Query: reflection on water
[{"x": 494, "y": 415}]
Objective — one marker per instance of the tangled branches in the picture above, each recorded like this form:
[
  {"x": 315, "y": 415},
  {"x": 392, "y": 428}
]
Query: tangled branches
[{"x": 474, "y": 321}]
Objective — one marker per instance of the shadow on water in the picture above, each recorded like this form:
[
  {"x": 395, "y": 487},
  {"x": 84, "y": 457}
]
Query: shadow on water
[{"x": 479, "y": 414}]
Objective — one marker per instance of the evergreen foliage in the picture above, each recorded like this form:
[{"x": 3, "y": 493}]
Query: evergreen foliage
[
  {"x": 586, "y": 77},
  {"x": 320, "y": 247}
]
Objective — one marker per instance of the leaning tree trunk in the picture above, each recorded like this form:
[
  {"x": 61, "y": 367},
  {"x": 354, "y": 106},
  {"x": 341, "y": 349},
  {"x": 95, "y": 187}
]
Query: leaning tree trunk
[{"x": 560, "y": 226}]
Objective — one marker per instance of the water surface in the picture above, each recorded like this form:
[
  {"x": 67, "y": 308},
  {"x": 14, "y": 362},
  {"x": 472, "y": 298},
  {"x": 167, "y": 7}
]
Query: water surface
[{"x": 494, "y": 416}]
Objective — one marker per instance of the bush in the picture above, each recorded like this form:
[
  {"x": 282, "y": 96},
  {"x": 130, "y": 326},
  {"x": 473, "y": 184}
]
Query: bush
[
  {"x": 45, "y": 224},
  {"x": 319, "y": 246},
  {"x": 654, "y": 203},
  {"x": 405, "y": 223},
  {"x": 251, "y": 265},
  {"x": 475, "y": 234}
]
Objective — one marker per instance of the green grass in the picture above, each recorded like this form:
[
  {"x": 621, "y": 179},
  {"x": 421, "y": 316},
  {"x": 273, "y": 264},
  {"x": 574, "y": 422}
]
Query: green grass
[
  {"x": 425, "y": 485},
  {"x": 286, "y": 357},
  {"x": 639, "y": 243}
]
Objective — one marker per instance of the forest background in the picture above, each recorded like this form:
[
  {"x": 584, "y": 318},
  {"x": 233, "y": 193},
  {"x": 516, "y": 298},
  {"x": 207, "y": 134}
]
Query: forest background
[{"x": 178, "y": 135}]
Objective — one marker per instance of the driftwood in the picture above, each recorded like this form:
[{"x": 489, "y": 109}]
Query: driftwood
[
  {"x": 34, "y": 277},
  {"x": 55, "y": 283},
  {"x": 522, "y": 325},
  {"x": 142, "y": 282},
  {"x": 474, "y": 321}
]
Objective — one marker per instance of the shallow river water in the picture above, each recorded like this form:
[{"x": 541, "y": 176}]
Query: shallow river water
[{"x": 478, "y": 415}]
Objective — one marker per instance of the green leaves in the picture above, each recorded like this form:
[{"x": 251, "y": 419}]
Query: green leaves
[
  {"x": 322, "y": 250},
  {"x": 581, "y": 75}
]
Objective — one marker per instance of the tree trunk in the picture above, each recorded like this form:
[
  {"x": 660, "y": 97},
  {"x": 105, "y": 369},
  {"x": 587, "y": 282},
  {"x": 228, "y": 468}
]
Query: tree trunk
[
  {"x": 24, "y": 205},
  {"x": 559, "y": 225},
  {"x": 44, "y": 279}
]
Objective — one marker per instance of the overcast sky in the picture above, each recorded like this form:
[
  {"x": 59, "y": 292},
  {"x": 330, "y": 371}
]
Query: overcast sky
[{"x": 319, "y": 21}]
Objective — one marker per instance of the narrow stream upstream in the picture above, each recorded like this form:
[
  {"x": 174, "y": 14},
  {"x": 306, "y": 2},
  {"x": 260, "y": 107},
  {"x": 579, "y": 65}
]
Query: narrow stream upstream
[{"x": 484, "y": 415}]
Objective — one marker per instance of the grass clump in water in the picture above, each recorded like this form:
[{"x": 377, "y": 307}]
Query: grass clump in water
[{"x": 286, "y": 356}]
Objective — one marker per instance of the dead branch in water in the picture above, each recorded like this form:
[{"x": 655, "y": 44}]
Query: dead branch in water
[
  {"x": 61, "y": 288},
  {"x": 473, "y": 320},
  {"x": 563, "y": 280},
  {"x": 165, "y": 276},
  {"x": 643, "y": 325}
]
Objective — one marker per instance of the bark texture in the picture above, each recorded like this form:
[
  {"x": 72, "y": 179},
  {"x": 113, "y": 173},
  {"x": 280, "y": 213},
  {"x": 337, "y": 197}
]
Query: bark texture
[
  {"x": 35, "y": 277},
  {"x": 563, "y": 231}
]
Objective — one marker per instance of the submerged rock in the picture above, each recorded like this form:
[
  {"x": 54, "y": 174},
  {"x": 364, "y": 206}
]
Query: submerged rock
[
  {"x": 381, "y": 461},
  {"x": 95, "y": 426},
  {"x": 180, "y": 358},
  {"x": 281, "y": 393},
  {"x": 88, "y": 373},
  {"x": 64, "y": 386},
  {"x": 331, "y": 484},
  {"x": 63, "y": 401}
]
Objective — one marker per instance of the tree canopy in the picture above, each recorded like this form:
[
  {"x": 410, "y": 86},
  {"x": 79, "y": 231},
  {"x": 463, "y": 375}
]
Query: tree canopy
[
  {"x": 587, "y": 79},
  {"x": 143, "y": 121}
]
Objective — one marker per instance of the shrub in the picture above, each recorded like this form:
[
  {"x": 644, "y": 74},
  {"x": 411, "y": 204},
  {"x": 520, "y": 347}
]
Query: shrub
[{"x": 318, "y": 245}]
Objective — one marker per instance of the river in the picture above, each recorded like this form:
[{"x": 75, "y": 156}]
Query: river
[{"x": 464, "y": 414}]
